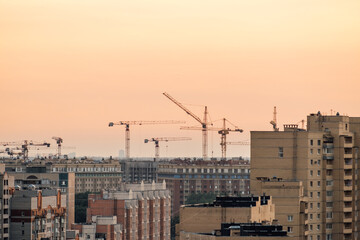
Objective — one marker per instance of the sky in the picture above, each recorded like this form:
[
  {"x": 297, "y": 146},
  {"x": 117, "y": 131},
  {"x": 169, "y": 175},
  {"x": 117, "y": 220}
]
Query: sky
[{"x": 69, "y": 67}]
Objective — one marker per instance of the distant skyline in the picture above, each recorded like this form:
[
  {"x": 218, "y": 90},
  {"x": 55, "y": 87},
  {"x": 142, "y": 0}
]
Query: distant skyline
[{"x": 68, "y": 68}]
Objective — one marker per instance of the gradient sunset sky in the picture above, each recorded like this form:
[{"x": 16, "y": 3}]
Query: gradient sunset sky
[{"x": 68, "y": 67}]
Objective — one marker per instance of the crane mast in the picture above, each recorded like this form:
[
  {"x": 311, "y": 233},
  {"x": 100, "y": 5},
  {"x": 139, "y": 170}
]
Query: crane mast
[
  {"x": 222, "y": 131},
  {"x": 127, "y": 129},
  {"x": 59, "y": 141},
  {"x": 204, "y": 124}
]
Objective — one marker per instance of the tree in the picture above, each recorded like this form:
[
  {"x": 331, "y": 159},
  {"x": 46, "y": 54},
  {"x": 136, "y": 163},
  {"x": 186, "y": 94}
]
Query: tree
[{"x": 81, "y": 204}]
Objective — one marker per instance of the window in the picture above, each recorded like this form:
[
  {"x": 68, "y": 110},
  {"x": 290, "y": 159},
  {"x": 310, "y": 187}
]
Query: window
[
  {"x": 311, "y": 183},
  {"x": 311, "y": 194},
  {"x": 319, "y": 142},
  {"x": 318, "y": 205},
  {"x": 318, "y": 216},
  {"x": 311, "y": 227},
  {"x": 311, "y": 142},
  {"x": 311, "y": 205},
  {"x": 329, "y": 226},
  {"x": 329, "y": 193},
  {"x": 311, "y": 216},
  {"x": 329, "y": 214},
  {"x": 318, "y": 183},
  {"x": 311, "y": 151},
  {"x": 311, "y": 162},
  {"x": 318, "y": 152},
  {"x": 311, "y": 172},
  {"x": 318, "y": 194},
  {"x": 329, "y": 182},
  {"x": 329, "y": 204},
  {"x": 318, "y": 172},
  {"x": 318, "y": 162},
  {"x": 290, "y": 229},
  {"x": 328, "y": 236},
  {"x": 290, "y": 218},
  {"x": 281, "y": 152}
]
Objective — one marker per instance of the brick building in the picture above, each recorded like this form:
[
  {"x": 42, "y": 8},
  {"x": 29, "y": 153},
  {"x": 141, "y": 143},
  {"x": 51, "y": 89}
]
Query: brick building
[{"x": 143, "y": 210}]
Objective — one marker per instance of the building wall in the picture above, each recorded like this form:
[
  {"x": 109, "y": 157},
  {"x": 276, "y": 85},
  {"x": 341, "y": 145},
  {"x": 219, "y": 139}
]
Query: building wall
[
  {"x": 6, "y": 187},
  {"x": 205, "y": 219},
  {"x": 323, "y": 158},
  {"x": 197, "y": 236},
  {"x": 219, "y": 177},
  {"x": 143, "y": 213},
  {"x": 38, "y": 214}
]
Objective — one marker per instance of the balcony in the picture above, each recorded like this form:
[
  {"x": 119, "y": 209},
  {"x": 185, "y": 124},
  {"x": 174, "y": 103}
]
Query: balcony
[
  {"x": 347, "y": 230},
  {"x": 328, "y": 156}
]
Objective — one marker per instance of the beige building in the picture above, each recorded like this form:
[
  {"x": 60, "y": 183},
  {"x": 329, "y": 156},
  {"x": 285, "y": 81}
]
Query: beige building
[
  {"x": 230, "y": 218},
  {"x": 324, "y": 158},
  {"x": 290, "y": 203},
  {"x": 205, "y": 218}
]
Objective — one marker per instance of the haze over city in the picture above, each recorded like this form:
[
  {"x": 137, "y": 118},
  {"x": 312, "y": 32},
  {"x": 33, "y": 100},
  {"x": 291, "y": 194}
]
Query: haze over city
[{"x": 68, "y": 68}]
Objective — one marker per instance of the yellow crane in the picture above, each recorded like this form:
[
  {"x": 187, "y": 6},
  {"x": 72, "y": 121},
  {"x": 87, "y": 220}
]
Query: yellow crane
[
  {"x": 127, "y": 129},
  {"x": 164, "y": 139},
  {"x": 222, "y": 131},
  {"x": 204, "y": 124}
]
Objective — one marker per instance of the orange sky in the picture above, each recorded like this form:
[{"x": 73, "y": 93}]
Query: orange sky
[{"x": 68, "y": 67}]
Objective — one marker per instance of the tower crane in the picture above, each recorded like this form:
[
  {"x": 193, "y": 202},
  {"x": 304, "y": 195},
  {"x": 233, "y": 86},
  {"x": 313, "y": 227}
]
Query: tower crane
[
  {"x": 127, "y": 129},
  {"x": 164, "y": 139},
  {"x": 222, "y": 131},
  {"x": 24, "y": 146},
  {"x": 59, "y": 141},
  {"x": 204, "y": 124},
  {"x": 274, "y": 121}
]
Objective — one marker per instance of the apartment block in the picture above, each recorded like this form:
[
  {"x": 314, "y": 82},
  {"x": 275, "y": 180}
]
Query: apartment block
[
  {"x": 324, "y": 157},
  {"x": 90, "y": 175},
  {"x": 38, "y": 214},
  {"x": 185, "y": 177},
  {"x": 143, "y": 210},
  {"x": 36, "y": 178},
  {"x": 138, "y": 170},
  {"x": 6, "y": 190}
]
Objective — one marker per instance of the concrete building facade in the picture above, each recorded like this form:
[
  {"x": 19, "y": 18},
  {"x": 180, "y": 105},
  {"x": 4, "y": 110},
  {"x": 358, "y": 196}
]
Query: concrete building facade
[
  {"x": 6, "y": 190},
  {"x": 185, "y": 177},
  {"x": 324, "y": 157}
]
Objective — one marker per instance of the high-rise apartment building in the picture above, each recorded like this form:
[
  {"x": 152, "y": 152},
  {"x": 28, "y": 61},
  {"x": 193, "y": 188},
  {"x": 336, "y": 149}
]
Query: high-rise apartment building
[
  {"x": 6, "y": 189},
  {"x": 38, "y": 214},
  {"x": 324, "y": 157}
]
